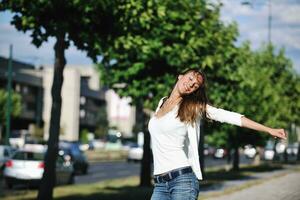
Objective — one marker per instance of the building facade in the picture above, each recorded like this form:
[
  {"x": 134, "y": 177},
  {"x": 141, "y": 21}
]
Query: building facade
[
  {"x": 83, "y": 98},
  {"x": 26, "y": 81}
]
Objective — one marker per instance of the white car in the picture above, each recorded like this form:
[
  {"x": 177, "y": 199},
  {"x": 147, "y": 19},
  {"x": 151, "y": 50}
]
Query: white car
[
  {"x": 135, "y": 153},
  {"x": 292, "y": 149},
  {"x": 28, "y": 167},
  {"x": 220, "y": 153},
  {"x": 5, "y": 154},
  {"x": 269, "y": 154},
  {"x": 250, "y": 151}
]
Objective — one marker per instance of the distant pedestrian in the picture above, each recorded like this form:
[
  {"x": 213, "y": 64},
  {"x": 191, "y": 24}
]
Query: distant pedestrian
[{"x": 174, "y": 130}]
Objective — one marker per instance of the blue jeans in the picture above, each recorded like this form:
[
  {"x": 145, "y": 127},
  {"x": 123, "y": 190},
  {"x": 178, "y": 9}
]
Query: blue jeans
[{"x": 183, "y": 187}]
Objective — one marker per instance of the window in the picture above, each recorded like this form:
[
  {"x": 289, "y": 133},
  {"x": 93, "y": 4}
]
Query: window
[
  {"x": 28, "y": 156},
  {"x": 6, "y": 153},
  {"x": 25, "y": 90}
]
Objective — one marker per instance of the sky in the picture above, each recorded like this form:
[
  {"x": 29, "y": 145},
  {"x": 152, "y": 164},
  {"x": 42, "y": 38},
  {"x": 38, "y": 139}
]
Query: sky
[
  {"x": 252, "y": 22},
  {"x": 253, "y": 18}
]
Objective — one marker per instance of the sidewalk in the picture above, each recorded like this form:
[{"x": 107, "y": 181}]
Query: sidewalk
[{"x": 276, "y": 185}]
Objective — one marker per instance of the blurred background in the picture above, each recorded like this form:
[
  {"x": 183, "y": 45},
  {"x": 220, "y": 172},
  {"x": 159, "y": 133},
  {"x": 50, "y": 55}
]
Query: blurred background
[{"x": 121, "y": 58}]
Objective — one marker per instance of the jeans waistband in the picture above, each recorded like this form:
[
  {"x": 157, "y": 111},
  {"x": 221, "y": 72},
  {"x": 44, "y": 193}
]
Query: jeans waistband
[{"x": 171, "y": 175}]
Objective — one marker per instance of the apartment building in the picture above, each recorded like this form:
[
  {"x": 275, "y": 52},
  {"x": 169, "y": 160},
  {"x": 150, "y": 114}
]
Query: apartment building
[
  {"x": 82, "y": 99},
  {"x": 27, "y": 81}
]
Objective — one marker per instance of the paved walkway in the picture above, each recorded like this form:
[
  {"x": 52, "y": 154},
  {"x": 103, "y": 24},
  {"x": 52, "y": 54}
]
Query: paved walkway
[{"x": 285, "y": 187}]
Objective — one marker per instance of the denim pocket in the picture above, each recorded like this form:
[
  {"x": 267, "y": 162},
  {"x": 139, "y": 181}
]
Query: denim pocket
[{"x": 185, "y": 186}]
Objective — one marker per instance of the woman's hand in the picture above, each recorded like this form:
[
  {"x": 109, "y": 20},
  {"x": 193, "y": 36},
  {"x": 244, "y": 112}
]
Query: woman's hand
[{"x": 280, "y": 133}]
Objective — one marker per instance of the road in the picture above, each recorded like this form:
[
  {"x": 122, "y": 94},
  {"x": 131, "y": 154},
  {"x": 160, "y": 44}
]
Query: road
[
  {"x": 101, "y": 171},
  {"x": 108, "y": 170}
]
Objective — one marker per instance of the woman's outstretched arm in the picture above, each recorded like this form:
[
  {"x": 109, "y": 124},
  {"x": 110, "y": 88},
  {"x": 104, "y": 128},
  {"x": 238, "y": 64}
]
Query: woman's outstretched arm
[{"x": 248, "y": 123}]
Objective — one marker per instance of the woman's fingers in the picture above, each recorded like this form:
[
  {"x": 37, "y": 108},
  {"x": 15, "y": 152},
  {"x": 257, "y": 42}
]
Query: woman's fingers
[{"x": 279, "y": 133}]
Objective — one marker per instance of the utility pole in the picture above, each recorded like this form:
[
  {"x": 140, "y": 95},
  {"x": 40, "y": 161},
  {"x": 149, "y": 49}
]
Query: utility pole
[
  {"x": 251, "y": 4},
  {"x": 269, "y": 22},
  {"x": 8, "y": 100}
]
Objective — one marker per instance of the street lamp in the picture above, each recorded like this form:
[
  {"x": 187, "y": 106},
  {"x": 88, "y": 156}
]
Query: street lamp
[
  {"x": 248, "y": 3},
  {"x": 269, "y": 21},
  {"x": 8, "y": 101}
]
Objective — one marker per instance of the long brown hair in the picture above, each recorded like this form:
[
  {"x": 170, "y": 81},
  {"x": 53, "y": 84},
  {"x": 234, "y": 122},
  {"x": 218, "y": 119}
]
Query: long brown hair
[{"x": 193, "y": 105}]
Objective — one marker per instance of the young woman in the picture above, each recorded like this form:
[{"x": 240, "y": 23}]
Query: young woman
[{"x": 174, "y": 130}]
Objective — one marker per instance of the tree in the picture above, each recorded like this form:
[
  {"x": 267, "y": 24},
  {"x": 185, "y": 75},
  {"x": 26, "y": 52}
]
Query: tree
[
  {"x": 262, "y": 87},
  {"x": 84, "y": 139},
  {"x": 77, "y": 21},
  {"x": 156, "y": 41},
  {"x": 16, "y": 105},
  {"x": 159, "y": 39}
]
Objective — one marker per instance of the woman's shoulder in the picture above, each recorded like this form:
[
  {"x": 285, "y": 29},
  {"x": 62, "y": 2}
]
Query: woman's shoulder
[{"x": 162, "y": 100}]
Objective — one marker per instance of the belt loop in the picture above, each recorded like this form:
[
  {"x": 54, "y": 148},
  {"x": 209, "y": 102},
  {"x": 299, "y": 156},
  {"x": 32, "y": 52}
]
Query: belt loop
[
  {"x": 157, "y": 179},
  {"x": 170, "y": 174}
]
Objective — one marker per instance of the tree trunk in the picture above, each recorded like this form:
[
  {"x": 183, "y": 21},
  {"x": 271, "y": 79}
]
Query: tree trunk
[
  {"x": 236, "y": 159},
  {"x": 48, "y": 180},
  {"x": 298, "y": 154},
  {"x": 229, "y": 155},
  {"x": 0, "y": 133},
  {"x": 145, "y": 178},
  {"x": 285, "y": 156},
  {"x": 276, "y": 156}
]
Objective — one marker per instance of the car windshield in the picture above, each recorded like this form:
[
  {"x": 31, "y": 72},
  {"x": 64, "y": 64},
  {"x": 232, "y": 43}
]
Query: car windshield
[{"x": 28, "y": 156}]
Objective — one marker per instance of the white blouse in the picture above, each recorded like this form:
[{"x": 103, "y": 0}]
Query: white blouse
[
  {"x": 168, "y": 134},
  {"x": 175, "y": 144}
]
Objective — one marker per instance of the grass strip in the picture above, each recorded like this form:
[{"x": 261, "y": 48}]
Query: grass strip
[{"x": 128, "y": 189}]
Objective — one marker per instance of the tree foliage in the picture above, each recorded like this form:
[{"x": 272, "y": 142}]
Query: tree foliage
[
  {"x": 156, "y": 41},
  {"x": 84, "y": 139},
  {"x": 81, "y": 22},
  {"x": 84, "y": 23},
  {"x": 159, "y": 39},
  {"x": 16, "y": 105},
  {"x": 263, "y": 86}
]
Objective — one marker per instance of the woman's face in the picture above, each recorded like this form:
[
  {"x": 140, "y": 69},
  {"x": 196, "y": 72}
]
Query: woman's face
[{"x": 189, "y": 82}]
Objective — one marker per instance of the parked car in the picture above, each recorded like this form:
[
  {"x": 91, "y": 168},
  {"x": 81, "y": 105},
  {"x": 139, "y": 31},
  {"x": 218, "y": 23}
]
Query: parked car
[
  {"x": 292, "y": 149},
  {"x": 250, "y": 151},
  {"x": 269, "y": 152},
  {"x": 98, "y": 144},
  {"x": 220, "y": 153},
  {"x": 127, "y": 145},
  {"x": 28, "y": 167},
  {"x": 78, "y": 158},
  {"x": 208, "y": 150},
  {"x": 135, "y": 153},
  {"x": 5, "y": 154},
  {"x": 17, "y": 138}
]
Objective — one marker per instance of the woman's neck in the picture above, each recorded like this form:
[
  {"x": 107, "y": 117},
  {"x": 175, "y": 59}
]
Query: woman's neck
[{"x": 174, "y": 97}]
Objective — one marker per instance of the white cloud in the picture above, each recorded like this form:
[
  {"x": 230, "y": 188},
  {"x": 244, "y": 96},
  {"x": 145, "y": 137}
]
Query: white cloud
[
  {"x": 253, "y": 23},
  {"x": 286, "y": 13}
]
